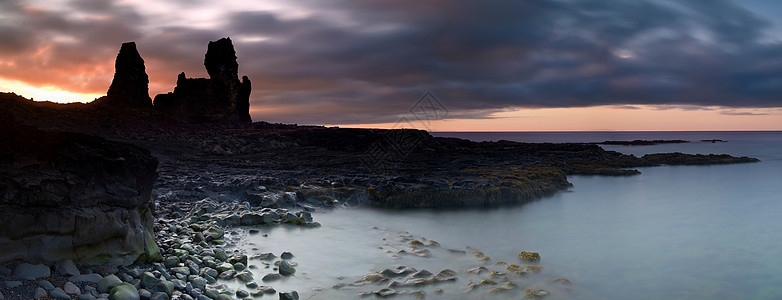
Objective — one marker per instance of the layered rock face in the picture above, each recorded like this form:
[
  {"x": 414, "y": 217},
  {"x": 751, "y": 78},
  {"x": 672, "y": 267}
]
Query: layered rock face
[
  {"x": 222, "y": 97},
  {"x": 130, "y": 86},
  {"x": 74, "y": 196}
]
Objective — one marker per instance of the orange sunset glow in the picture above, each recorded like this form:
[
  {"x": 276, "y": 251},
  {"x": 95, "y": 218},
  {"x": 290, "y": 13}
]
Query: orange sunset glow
[{"x": 319, "y": 64}]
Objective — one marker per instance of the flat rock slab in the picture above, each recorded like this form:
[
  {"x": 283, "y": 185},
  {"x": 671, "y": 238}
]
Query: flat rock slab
[{"x": 31, "y": 272}]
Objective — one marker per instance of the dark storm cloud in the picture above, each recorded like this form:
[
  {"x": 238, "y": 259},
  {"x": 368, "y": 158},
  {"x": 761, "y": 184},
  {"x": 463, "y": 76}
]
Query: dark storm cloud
[
  {"x": 48, "y": 46},
  {"x": 339, "y": 61},
  {"x": 490, "y": 55}
]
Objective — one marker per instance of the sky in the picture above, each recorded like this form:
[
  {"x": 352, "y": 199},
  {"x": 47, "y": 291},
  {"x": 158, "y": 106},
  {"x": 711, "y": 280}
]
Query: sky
[{"x": 442, "y": 65}]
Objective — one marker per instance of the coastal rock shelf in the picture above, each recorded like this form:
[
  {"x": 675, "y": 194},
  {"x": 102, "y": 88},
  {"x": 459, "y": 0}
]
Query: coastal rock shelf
[
  {"x": 73, "y": 196},
  {"x": 279, "y": 165}
]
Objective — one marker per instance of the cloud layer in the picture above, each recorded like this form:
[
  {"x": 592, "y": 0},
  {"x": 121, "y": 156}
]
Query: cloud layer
[{"x": 339, "y": 61}]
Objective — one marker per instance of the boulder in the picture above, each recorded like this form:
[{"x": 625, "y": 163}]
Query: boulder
[
  {"x": 289, "y": 295},
  {"x": 66, "y": 267},
  {"x": 68, "y": 196},
  {"x": 124, "y": 291},
  {"x": 221, "y": 97},
  {"x": 529, "y": 256},
  {"x": 31, "y": 272},
  {"x": 286, "y": 269},
  {"x": 58, "y": 293},
  {"x": 108, "y": 282}
]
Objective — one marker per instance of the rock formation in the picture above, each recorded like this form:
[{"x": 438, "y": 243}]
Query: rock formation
[
  {"x": 222, "y": 97},
  {"x": 130, "y": 86},
  {"x": 74, "y": 196}
]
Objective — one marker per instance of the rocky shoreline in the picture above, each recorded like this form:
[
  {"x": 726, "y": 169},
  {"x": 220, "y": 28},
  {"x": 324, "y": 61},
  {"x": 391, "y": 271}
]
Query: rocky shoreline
[
  {"x": 215, "y": 183},
  {"x": 125, "y": 199}
]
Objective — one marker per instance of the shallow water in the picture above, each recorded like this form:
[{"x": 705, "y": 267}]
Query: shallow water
[{"x": 674, "y": 232}]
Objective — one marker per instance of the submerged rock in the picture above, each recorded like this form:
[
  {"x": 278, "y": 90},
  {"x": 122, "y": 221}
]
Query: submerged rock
[{"x": 529, "y": 256}]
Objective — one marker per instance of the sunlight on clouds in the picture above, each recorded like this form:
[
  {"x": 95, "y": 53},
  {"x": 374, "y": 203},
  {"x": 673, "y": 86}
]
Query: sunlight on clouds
[
  {"x": 612, "y": 118},
  {"x": 45, "y": 93}
]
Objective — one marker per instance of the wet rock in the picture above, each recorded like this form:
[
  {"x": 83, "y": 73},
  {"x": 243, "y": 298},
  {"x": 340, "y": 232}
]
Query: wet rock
[
  {"x": 224, "y": 267},
  {"x": 264, "y": 256},
  {"x": 562, "y": 281},
  {"x": 271, "y": 277},
  {"x": 293, "y": 295},
  {"x": 67, "y": 268},
  {"x": 159, "y": 296},
  {"x": 71, "y": 288},
  {"x": 535, "y": 294},
  {"x": 163, "y": 286},
  {"x": 239, "y": 266},
  {"x": 382, "y": 293},
  {"x": 227, "y": 275},
  {"x": 476, "y": 270},
  {"x": 39, "y": 293},
  {"x": 244, "y": 276},
  {"x": 371, "y": 278},
  {"x": 398, "y": 271},
  {"x": 286, "y": 269},
  {"x": 286, "y": 255},
  {"x": 198, "y": 283},
  {"x": 250, "y": 219},
  {"x": 30, "y": 272},
  {"x": 88, "y": 278},
  {"x": 144, "y": 294},
  {"x": 529, "y": 256},
  {"x": 124, "y": 291},
  {"x": 516, "y": 269},
  {"x": 445, "y": 274},
  {"x": 242, "y": 294},
  {"x": 58, "y": 293},
  {"x": 179, "y": 284},
  {"x": 533, "y": 268},
  {"x": 86, "y": 296},
  {"x": 171, "y": 261},
  {"x": 237, "y": 258},
  {"x": 46, "y": 285}
]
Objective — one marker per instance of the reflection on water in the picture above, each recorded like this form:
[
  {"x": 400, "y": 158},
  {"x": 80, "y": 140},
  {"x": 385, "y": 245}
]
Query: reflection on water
[{"x": 690, "y": 232}]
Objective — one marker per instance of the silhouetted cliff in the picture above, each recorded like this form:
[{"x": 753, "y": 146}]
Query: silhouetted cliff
[{"x": 222, "y": 97}]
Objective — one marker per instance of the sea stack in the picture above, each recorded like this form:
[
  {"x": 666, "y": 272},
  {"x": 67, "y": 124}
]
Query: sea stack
[
  {"x": 221, "y": 98},
  {"x": 130, "y": 86}
]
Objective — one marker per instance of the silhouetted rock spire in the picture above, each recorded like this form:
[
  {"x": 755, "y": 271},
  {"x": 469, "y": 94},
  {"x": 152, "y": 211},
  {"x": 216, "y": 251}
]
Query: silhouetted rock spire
[
  {"x": 222, "y": 97},
  {"x": 130, "y": 86}
]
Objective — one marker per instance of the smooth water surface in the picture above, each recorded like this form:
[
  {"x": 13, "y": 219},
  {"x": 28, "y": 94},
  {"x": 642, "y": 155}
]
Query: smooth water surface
[{"x": 673, "y": 232}]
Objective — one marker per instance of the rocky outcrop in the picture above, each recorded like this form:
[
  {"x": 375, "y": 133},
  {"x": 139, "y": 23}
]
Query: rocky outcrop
[
  {"x": 222, "y": 97},
  {"x": 130, "y": 86},
  {"x": 74, "y": 196}
]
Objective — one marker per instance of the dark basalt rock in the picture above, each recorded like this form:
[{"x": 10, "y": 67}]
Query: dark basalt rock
[
  {"x": 130, "y": 86},
  {"x": 222, "y": 97},
  {"x": 74, "y": 196}
]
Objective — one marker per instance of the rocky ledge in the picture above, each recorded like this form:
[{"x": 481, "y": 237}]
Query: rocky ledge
[{"x": 73, "y": 196}]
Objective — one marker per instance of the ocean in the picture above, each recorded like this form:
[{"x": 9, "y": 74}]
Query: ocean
[{"x": 672, "y": 232}]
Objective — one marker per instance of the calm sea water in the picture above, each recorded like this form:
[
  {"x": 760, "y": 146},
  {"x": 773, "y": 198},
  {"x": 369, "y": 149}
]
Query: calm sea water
[{"x": 673, "y": 232}]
